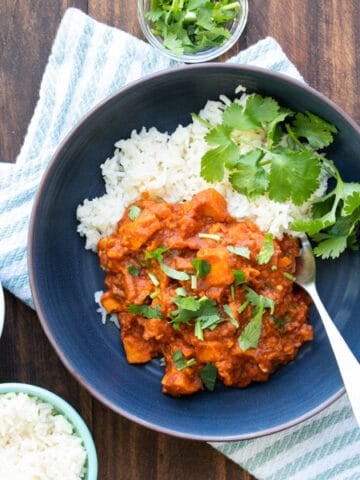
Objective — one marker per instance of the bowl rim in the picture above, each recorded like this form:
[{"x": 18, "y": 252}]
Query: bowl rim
[
  {"x": 64, "y": 408},
  {"x": 2, "y": 309},
  {"x": 203, "y": 55},
  {"x": 48, "y": 171}
]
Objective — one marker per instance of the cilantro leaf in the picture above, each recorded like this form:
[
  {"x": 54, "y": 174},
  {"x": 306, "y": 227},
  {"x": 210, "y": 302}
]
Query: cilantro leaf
[
  {"x": 240, "y": 251},
  {"x": 239, "y": 277},
  {"x": 229, "y": 313},
  {"x": 208, "y": 376},
  {"x": 203, "y": 311},
  {"x": 133, "y": 212},
  {"x": 157, "y": 254},
  {"x": 294, "y": 175},
  {"x": 267, "y": 250},
  {"x": 235, "y": 117},
  {"x": 179, "y": 361},
  {"x": 351, "y": 197},
  {"x": 191, "y": 25},
  {"x": 213, "y": 162},
  {"x": 172, "y": 273},
  {"x": 331, "y": 247},
  {"x": 318, "y": 132},
  {"x": 249, "y": 178},
  {"x": 261, "y": 109},
  {"x": 145, "y": 311},
  {"x": 202, "y": 267},
  {"x": 250, "y": 336}
]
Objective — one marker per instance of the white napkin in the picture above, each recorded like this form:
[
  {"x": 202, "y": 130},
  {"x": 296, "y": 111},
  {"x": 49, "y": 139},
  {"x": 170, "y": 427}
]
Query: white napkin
[{"x": 88, "y": 62}]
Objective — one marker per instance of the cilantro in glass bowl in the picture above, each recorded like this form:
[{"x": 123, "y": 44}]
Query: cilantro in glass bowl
[{"x": 192, "y": 31}]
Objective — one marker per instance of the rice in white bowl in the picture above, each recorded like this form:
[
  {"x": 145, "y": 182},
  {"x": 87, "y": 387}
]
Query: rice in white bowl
[
  {"x": 168, "y": 166},
  {"x": 37, "y": 443}
]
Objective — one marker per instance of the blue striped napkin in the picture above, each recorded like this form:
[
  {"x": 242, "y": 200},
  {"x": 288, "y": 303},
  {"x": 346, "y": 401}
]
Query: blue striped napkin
[{"x": 88, "y": 62}]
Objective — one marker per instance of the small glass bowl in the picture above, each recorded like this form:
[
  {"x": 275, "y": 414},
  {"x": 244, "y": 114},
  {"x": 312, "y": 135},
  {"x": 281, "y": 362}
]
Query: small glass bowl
[{"x": 235, "y": 28}]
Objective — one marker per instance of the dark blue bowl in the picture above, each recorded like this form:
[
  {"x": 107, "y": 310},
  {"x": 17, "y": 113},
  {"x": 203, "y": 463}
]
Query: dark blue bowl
[{"x": 64, "y": 276}]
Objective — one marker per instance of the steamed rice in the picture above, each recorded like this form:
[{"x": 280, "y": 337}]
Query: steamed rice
[
  {"x": 36, "y": 442},
  {"x": 168, "y": 166}
]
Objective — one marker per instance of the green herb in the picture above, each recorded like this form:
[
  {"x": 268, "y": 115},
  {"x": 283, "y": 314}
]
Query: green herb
[
  {"x": 179, "y": 361},
  {"x": 145, "y": 311},
  {"x": 250, "y": 336},
  {"x": 172, "y": 273},
  {"x": 204, "y": 312},
  {"x": 202, "y": 267},
  {"x": 267, "y": 250},
  {"x": 181, "y": 292},
  {"x": 240, "y": 251},
  {"x": 229, "y": 313},
  {"x": 208, "y": 376},
  {"x": 289, "y": 276},
  {"x": 239, "y": 277},
  {"x": 279, "y": 322},
  {"x": 282, "y": 161},
  {"x": 134, "y": 271},
  {"x": 190, "y": 26},
  {"x": 154, "y": 294},
  {"x": 133, "y": 212},
  {"x": 157, "y": 254}
]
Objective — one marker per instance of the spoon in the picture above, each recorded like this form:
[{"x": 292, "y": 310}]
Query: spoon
[{"x": 348, "y": 365}]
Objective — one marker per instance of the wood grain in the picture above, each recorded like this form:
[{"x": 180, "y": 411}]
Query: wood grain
[{"x": 321, "y": 37}]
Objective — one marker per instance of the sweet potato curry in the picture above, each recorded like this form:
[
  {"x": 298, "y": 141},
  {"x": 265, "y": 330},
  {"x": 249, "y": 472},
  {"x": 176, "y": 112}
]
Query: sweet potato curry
[{"x": 213, "y": 296}]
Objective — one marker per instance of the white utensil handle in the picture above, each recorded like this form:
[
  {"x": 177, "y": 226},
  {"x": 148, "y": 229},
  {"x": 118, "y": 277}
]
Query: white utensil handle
[{"x": 348, "y": 365}]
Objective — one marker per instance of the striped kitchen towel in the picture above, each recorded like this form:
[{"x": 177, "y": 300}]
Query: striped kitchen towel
[{"x": 93, "y": 60}]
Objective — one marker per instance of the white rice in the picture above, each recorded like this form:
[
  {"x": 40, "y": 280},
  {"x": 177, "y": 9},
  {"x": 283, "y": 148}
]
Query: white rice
[
  {"x": 168, "y": 166},
  {"x": 36, "y": 443}
]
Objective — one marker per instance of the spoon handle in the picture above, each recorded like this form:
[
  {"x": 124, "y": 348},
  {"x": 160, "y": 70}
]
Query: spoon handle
[{"x": 348, "y": 365}]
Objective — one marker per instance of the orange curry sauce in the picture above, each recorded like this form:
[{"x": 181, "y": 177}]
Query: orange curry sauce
[{"x": 149, "y": 301}]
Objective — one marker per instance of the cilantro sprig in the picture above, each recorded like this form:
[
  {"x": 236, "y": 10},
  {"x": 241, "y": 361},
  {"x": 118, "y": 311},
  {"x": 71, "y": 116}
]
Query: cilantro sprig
[
  {"x": 191, "y": 26},
  {"x": 266, "y": 149},
  {"x": 250, "y": 336}
]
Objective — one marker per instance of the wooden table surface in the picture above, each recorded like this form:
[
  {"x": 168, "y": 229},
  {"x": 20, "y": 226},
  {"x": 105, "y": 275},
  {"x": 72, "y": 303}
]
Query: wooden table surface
[{"x": 320, "y": 36}]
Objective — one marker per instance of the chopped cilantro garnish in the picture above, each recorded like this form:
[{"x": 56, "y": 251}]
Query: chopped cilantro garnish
[
  {"x": 270, "y": 150},
  {"x": 134, "y": 271},
  {"x": 172, "y": 273},
  {"x": 289, "y": 276},
  {"x": 145, "y": 311},
  {"x": 204, "y": 312},
  {"x": 241, "y": 251},
  {"x": 239, "y": 277},
  {"x": 133, "y": 212},
  {"x": 157, "y": 254},
  {"x": 267, "y": 250},
  {"x": 202, "y": 267},
  {"x": 191, "y": 26},
  {"x": 208, "y": 376},
  {"x": 229, "y": 313},
  {"x": 250, "y": 336},
  {"x": 179, "y": 361}
]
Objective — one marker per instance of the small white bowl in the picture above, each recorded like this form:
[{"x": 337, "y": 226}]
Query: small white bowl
[{"x": 235, "y": 28}]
